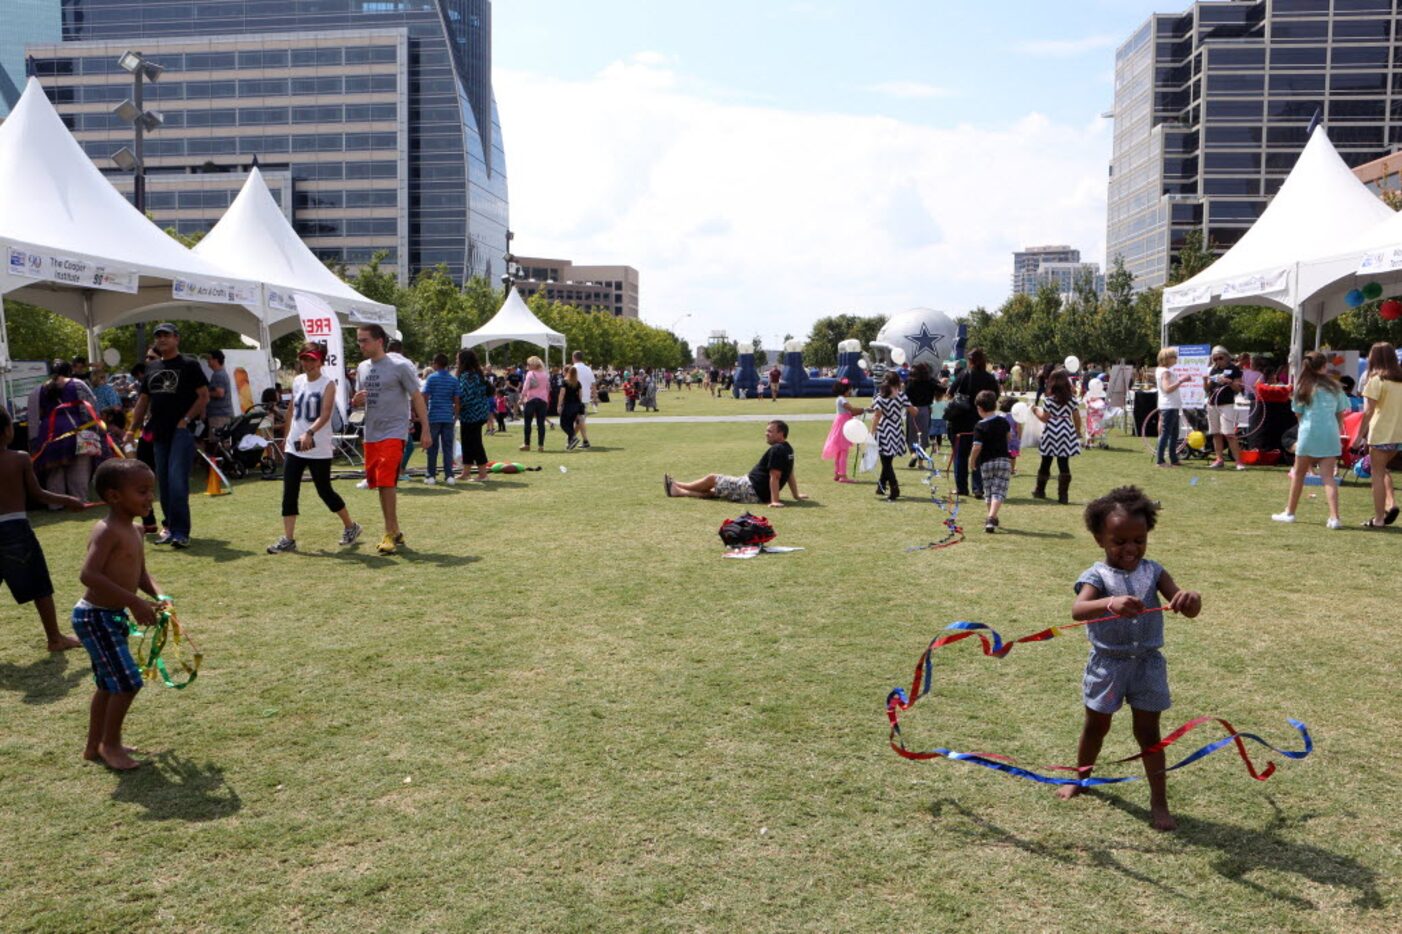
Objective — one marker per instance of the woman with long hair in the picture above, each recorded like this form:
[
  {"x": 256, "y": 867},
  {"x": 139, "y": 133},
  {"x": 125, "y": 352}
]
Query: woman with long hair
[
  {"x": 474, "y": 408},
  {"x": 535, "y": 399},
  {"x": 1321, "y": 405},
  {"x": 1061, "y": 438},
  {"x": 1381, "y": 428},
  {"x": 961, "y": 418},
  {"x": 1170, "y": 406},
  {"x": 920, "y": 389},
  {"x": 570, "y": 404}
]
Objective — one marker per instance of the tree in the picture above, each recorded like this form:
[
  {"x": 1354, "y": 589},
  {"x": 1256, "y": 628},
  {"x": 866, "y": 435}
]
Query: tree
[
  {"x": 821, "y": 349},
  {"x": 39, "y": 334},
  {"x": 1126, "y": 325},
  {"x": 723, "y": 354},
  {"x": 757, "y": 344},
  {"x": 1193, "y": 258}
]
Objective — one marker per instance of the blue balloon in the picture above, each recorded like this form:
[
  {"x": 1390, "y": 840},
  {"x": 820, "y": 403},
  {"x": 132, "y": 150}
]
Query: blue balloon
[{"x": 1354, "y": 298}]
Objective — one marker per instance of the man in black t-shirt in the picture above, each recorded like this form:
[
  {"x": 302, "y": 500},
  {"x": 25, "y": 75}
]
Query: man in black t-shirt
[
  {"x": 1221, "y": 385},
  {"x": 174, "y": 393},
  {"x": 761, "y": 485}
]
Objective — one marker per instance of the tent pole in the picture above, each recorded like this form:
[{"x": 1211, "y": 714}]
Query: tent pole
[
  {"x": 1319, "y": 326},
  {"x": 265, "y": 336},
  {"x": 93, "y": 354}
]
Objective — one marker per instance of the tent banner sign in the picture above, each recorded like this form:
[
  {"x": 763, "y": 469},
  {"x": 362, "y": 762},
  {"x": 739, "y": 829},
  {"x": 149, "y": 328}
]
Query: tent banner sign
[
  {"x": 1194, "y": 363},
  {"x": 281, "y": 301},
  {"x": 70, "y": 270},
  {"x": 219, "y": 293}
]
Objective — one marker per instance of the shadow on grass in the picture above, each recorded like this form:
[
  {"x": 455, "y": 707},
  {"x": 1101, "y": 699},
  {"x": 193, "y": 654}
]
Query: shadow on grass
[
  {"x": 44, "y": 681},
  {"x": 461, "y": 486},
  {"x": 371, "y": 559},
  {"x": 1028, "y": 533},
  {"x": 595, "y": 448},
  {"x": 218, "y": 549},
  {"x": 1240, "y": 851},
  {"x": 169, "y": 786},
  {"x": 1243, "y": 850}
]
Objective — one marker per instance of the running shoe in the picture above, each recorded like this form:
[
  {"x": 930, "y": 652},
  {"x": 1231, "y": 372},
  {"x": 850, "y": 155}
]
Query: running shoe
[
  {"x": 429, "y": 481},
  {"x": 386, "y": 545},
  {"x": 165, "y": 538},
  {"x": 1284, "y": 517},
  {"x": 586, "y": 445},
  {"x": 351, "y": 534},
  {"x": 363, "y": 485},
  {"x": 574, "y": 443},
  {"x": 282, "y": 546},
  {"x": 180, "y": 543},
  {"x": 1333, "y": 524},
  {"x": 451, "y": 480}
]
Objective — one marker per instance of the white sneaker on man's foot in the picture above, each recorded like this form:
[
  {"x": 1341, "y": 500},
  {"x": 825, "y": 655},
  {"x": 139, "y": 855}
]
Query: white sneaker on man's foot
[
  {"x": 1333, "y": 524},
  {"x": 429, "y": 481},
  {"x": 1284, "y": 517},
  {"x": 451, "y": 481},
  {"x": 363, "y": 485}
]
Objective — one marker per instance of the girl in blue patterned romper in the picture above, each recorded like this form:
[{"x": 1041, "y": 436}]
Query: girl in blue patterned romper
[{"x": 1125, "y": 662}]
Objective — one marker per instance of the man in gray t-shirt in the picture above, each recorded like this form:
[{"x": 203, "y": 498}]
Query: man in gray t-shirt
[
  {"x": 387, "y": 385},
  {"x": 220, "y": 410}
]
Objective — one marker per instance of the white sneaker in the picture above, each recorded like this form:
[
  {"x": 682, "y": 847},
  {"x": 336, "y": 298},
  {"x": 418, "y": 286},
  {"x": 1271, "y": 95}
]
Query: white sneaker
[
  {"x": 451, "y": 481},
  {"x": 363, "y": 485},
  {"x": 1333, "y": 524},
  {"x": 1284, "y": 517},
  {"x": 429, "y": 481}
]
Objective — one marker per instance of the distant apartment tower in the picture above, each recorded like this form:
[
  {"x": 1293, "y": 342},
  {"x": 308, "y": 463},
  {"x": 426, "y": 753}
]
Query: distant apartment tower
[
  {"x": 613, "y": 289},
  {"x": 1213, "y": 105},
  {"x": 1066, "y": 278},
  {"x": 22, "y": 23},
  {"x": 1030, "y": 259}
]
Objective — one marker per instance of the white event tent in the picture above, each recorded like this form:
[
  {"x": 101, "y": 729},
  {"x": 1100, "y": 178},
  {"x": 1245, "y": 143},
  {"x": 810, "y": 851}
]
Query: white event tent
[
  {"x": 1296, "y": 250},
  {"x": 515, "y": 322},
  {"x": 253, "y": 240},
  {"x": 71, "y": 243}
]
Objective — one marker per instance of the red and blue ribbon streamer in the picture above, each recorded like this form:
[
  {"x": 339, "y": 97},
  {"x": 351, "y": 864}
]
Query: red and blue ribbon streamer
[{"x": 994, "y": 647}]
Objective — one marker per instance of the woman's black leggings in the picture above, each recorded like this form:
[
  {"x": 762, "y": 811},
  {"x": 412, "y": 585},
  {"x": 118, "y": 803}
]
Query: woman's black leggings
[
  {"x": 535, "y": 409},
  {"x": 888, "y": 476},
  {"x": 320, "y": 468},
  {"x": 473, "y": 453},
  {"x": 1063, "y": 465},
  {"x": 568, "y": 416}
]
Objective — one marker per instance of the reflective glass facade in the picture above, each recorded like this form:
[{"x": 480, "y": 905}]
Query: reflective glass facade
[
  {"x": 379, "y": 113},
  {"x": 22, "y": 22},
  {"x": 1212, "y": 107}
]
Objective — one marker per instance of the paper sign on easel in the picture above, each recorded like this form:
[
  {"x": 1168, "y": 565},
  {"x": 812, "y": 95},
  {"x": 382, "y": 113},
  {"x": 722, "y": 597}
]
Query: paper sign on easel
[{"x": 321, "y": 325}]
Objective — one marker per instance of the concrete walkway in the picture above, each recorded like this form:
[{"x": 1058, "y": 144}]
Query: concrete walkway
[{"x": 675, "y": 419}]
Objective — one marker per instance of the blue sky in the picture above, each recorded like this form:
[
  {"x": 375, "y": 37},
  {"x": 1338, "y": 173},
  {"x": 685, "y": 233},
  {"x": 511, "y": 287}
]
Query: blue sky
[{"x": 766, "y": 163}]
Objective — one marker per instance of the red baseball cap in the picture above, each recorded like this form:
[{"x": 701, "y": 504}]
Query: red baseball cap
[{"x": 315, "y": 353}]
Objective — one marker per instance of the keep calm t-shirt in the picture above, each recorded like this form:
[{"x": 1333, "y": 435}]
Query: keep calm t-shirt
[
  {"x": 388, "y": 385},
  {"x": 779, "y": 457}
]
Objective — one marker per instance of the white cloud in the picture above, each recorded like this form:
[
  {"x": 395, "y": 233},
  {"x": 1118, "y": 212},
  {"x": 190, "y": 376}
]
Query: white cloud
[
  {"x": 913, "y": 90},
  {"x": 1067, "y": 48},
  {"x": 755, "y": 218}
]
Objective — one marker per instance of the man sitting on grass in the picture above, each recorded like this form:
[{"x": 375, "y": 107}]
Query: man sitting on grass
[{"x": 762, "y": 484}]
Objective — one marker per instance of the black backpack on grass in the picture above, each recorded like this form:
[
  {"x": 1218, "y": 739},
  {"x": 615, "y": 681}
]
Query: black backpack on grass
[{"x": 746, "y": 530}]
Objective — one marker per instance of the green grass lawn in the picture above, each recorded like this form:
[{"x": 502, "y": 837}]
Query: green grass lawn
[
  {"x": 560, "y": 709},
  {"x": 697, "y": 402}
]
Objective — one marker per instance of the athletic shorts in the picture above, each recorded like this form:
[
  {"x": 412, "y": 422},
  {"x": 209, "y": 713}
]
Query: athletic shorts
[
  {"x": 996, "y": 474},
  {"x": 1110, "y": 681},
  {"x": 103, "y": 633},
  {"x": 1221, "y": 419},
  {"x": 938, "y": 428},
  {"x": 22, "y": 564},
  {"x": 382, "y": 460},
  {"x": 735, "y": 489}
]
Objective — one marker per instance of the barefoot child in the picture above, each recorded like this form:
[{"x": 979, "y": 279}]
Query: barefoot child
[
  {"x": 1125, "y": 662},
  {"x": 836, "y": 447},
  {"x": 22, "y": 564},
  {"x": 113, "y": 571}
]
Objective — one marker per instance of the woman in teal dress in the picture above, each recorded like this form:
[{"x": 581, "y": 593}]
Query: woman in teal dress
[{"x": 1321, "y": 404}]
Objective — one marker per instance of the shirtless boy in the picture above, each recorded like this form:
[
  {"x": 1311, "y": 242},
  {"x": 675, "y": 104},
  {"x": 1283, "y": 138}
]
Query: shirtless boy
[
  {"x": 22, "y": 564},
  {"x": 113, "y": 571}
]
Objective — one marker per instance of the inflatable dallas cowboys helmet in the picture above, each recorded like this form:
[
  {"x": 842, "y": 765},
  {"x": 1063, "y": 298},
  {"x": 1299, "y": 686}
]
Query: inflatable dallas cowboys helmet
[{"x": 926, "y": 336}]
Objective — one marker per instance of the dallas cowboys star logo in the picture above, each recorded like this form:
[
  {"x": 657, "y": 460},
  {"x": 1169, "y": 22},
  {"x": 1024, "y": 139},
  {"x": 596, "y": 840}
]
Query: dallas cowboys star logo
[{"x": 925, "y": 342}]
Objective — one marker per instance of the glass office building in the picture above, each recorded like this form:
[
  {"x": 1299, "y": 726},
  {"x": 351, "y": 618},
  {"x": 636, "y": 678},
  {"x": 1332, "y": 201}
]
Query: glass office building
[
  {"x": 1213, "y": 106},
  {"x": 374, "y": 120},
  {"x": 22, "y": 22}
]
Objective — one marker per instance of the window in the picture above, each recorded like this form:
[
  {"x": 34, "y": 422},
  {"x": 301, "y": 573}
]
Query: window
[
  {"x": 329, "y": 85},
  {"x": 372, "y": 226},
  {"x": 211, "y": 117},
  {"x": 372, "y": 170},
  {"x": 262, "y": 116},
  {"x": 1303, "y": 30},
  {"x": 55, "y": 66},
  {"x": 1357, "y": 110},
  {"x": 209, "y": 61},
  {"x": 1358, "y": 83},
  {"x": 324, "y": 227},
  {"x": 1361, "y": 56},
  {"x": 325, "y": 113},
  {"x": 214, "y": 145},
  {"x": 1233, "y": 110},
  {"x": 1232, "y": 162},
  {"x": 362, "y": 84},
  {"x": 372, "y": 198},
  {"x": 306, "y": 57},
  {"x": 262, "y": 87},
  {"x": 1367, "y": 30},
  {"x": 1217, "y": 137},
  {"x": 1297, "y": 84},
  {"x": 320, "y": 199},
  {"x": 1227, "y": 186},
  {"x": 1299, "y": 57}
]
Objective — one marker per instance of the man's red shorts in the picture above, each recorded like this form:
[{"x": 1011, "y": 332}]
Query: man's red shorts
[{"x": 382, "y": 462}]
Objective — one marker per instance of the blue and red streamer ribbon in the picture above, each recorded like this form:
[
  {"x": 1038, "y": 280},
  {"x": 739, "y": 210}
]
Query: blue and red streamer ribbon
[{"x": 994, "y": 647}]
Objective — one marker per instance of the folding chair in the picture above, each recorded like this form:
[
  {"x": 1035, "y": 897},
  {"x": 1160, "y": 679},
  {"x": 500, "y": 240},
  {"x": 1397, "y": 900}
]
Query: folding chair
[{"x": 347, "y": 443}]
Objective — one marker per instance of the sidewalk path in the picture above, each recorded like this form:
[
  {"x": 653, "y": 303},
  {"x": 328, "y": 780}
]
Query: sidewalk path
[{"x": 675, "y": 419}]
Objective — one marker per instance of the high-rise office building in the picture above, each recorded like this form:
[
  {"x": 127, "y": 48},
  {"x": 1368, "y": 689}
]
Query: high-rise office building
[
  {"x": 23, "y": 22},
  {"x": 1213, "y": 106},
  {"x": 1066, "y": 278},
  {"x": 375, "y": 119},
  {"x": 1028, "y": 260}
]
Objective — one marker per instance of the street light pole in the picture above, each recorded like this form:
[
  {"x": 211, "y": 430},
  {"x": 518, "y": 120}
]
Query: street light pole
[{"x": 133, "y": 160}]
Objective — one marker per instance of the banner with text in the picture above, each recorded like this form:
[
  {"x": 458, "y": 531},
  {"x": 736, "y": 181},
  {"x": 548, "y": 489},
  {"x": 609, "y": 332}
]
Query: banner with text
[
  {"x": 1194, "y": 363},
  {"x": 320, "y": 324},
  {"x": 220, "y": 293},
  {"x": 70, "y": 270}
]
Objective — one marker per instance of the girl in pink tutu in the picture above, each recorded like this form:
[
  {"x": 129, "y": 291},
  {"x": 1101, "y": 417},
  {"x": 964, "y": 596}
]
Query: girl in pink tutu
[{"x": 836, "y": 447}]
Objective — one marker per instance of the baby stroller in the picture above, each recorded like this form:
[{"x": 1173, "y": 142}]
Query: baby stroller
[{"x": 239, "y": 447}]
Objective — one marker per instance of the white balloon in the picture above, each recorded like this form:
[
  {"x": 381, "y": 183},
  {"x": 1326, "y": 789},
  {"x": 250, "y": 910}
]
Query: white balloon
[
  {"x": 1021, "y": 412},
  {"x": 862, "y": 363},
  {"x": 111, "y": 356},
  {"x": 856, "y": 431},
  {"x": 1073, "y": 364},
  {"x": 898, "y": 356}
]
